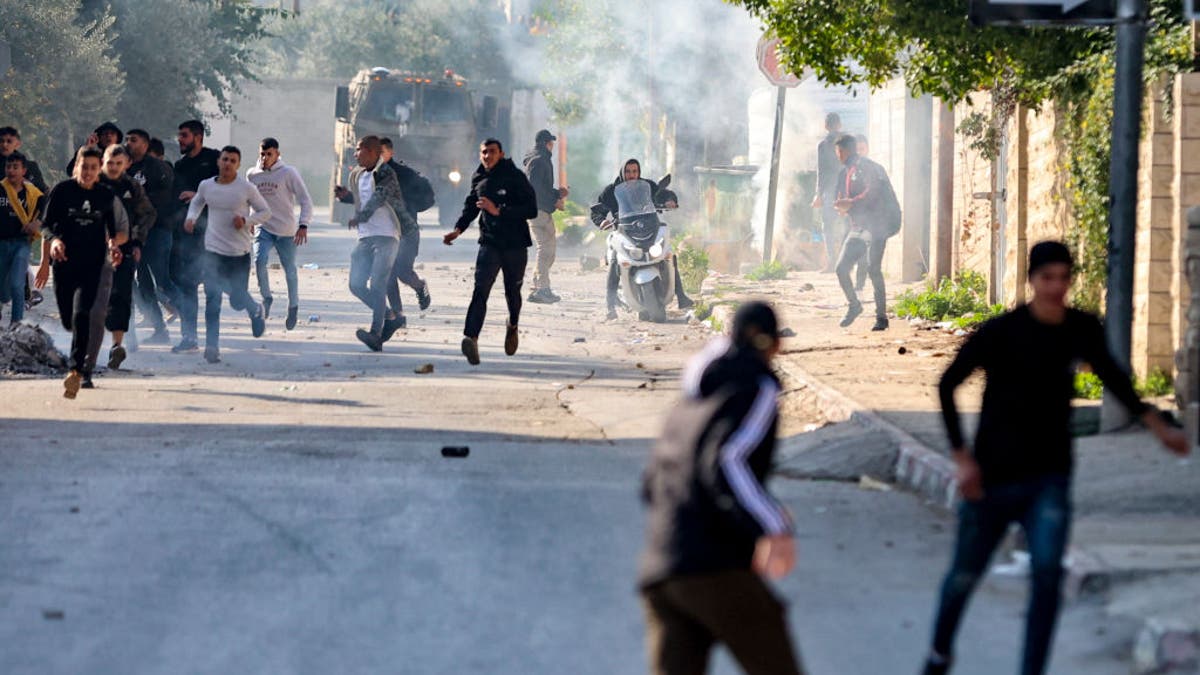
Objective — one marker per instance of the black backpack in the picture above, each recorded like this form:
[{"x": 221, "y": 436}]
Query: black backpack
[
  {"x": 418, "y": 191},
  {"x": 889, "y": 206}
]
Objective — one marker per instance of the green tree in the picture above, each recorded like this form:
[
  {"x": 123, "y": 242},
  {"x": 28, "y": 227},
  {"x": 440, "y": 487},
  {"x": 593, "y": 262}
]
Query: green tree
[{"x": 58, "y": 87}]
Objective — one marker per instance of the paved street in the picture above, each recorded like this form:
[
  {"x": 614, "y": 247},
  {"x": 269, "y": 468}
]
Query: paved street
[{"x": 288, "y": 511}]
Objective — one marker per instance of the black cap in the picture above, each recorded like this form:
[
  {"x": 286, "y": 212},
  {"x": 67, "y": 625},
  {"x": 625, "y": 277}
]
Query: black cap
[
  {"x": 756, "y": 315},
  {"x": 544, "y": 136},
  {"x": 1048, "y": 253},
  {"x": 109, "y": 126}
]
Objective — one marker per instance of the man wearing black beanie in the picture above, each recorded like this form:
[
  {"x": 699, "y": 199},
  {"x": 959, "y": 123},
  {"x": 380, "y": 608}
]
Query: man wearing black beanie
[{"x": 1019, "y": 470}]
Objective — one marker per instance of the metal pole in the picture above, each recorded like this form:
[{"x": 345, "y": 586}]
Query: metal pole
[
  {"x": 773, "y": 188},
  {"x": 1122, "y": 192},
  {"x": 943, "y": 261}
]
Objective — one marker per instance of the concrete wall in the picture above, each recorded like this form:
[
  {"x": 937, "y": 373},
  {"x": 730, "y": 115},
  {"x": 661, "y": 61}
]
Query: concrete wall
[
  {"x": 900, "y": 141},
  {"x": 299, "y": 113}
]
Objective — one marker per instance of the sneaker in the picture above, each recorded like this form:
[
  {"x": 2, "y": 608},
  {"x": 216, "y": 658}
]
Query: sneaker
[
  {"x": 86, "y": 382},
  {"x": 160, "y": 337},
  {"x": 212, "y": 355},
  {"x": 552, "y": 295},
  {"x": 185, "y": 346},
  {"x": 612, "y": 315},
  {"x": 71, "y": 384},
  {"x": 881, "y": 323},
  {"x": 116, "y": 356},
  {"x": 540, "y": 297},
  {"x": 290, "y": 323},
  {"x": 170, "y": 312},
  {"x": 258, "y": 322},
  {"x": 371, "y": 340},
  {"x": 851, "y": 315},
  {"x": 390, "y": 326},
  {"x": 510, "y": 340},
  {"x": 423, "y": 297},
  {"x": 266, "y": 307},
  {"x": 940, "y": 666},
  {"x": 470, "y": 349},
  {"x": 686, "y": 303},
  {"x": 35, "y": 299}
]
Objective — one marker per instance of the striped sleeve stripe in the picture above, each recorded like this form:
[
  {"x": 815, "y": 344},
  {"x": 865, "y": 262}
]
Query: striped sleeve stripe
[{"x": 746, "y": 438}]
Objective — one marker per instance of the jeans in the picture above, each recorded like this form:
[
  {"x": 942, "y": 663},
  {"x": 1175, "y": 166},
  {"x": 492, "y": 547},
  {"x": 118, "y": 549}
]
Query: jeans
[
  {"x": 154, "y": 283},
  {"x": 855, "y": 247},
  {"x": 264, "y": 241},
  {"x": 402, "y": 270},
  {"x": 187, "y": 268},
  {"x": 75, "y": 287},
  {"x": 490, "y": 262},
  {"x": 372, "y": 262},
  {"x": 1043, "y": 509},
  {"x": 545, "y": 236},
  {"x": 831, "y": 228},
  {"x": 225, "y": 275},
  {"x": 14, "y": 269}
]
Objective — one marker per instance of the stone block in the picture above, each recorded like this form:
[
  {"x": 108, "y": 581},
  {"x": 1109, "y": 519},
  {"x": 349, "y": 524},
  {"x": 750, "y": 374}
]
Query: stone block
[
  {"x": 1162, "y": 245},
  {"x": 1189, "y": 186},
  {"x": 1163, "y": 149},
  {"x": 1161, "y": 341}
]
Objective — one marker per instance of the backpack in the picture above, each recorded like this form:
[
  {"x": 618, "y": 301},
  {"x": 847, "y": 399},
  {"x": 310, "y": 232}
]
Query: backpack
[
  {"x": 418, "y": 191},
  {"x": 889, "y": 206}
]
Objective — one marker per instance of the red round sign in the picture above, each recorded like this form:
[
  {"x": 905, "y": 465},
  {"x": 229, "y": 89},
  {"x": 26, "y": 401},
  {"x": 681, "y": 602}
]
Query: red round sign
[{"x": 768, "y": 63}]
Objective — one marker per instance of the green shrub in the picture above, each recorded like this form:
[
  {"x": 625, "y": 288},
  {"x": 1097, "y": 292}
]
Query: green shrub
[
  {"x": 693, "y": 266},
  {"x": 767, "y": 271},
  {"x": 1157, "y": 383},
  {"x": 973, "y": 320},
  {"x": 1088, "y": 386},
  {"x": 570, "y": 209},
  {"x": 954, "y": 298}
]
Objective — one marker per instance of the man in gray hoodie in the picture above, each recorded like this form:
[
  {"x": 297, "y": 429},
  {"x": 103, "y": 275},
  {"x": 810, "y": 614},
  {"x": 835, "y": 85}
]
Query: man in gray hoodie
[{"x": 282, "y": 188}]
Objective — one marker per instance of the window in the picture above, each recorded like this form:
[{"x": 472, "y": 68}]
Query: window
[
  {"x": 445, "y": 105},
  {"x": 390, "y": 102}
]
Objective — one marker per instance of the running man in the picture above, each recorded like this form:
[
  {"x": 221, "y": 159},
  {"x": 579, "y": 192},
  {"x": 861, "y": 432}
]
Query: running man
[
  {"x": 227, "y": 244},
  {"x": 154, "y": 286},
  {"x": 418, "y": 196},
  {"x": 282, "y": 188},
  {"x": 503, "y": 201},
  {"x": 197, "y": 164},
  {"x": 713, "y": 530},
  {"x": 1019, "y": 470},
  {"x": 81, "y": 229}
]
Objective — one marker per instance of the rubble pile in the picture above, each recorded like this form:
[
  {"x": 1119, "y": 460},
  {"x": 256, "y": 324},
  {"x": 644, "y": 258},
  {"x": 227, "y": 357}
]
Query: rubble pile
[{"x": 29, "y": 350}]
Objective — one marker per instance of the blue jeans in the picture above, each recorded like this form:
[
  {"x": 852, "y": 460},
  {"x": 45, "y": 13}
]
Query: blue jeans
[
  {"x": 1042, "y": 507},
  {"x": 14, "y": 270},
  {"x": 372, "y": 261},
  {"x": 264, "y": 241},
  {"x": 187, "y": 271},
  {"x": 225, "y": 275},
  {"x": 154, "y": 285}
]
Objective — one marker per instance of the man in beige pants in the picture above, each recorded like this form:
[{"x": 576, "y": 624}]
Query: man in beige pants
[{"x": 540, "y": 169}]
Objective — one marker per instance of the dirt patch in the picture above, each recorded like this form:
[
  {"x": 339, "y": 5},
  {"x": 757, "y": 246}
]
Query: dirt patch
[{"x": 29, "y": 350}]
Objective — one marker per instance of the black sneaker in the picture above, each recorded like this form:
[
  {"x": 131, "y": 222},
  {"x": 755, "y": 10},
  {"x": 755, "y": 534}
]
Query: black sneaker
[
  {"x": 510, "y": 340},
  {"x": 423, "y": 297},
  {"x": 612, "y": 314},
  {"x": 470, "y": 349},
  {"x": 936, "y": 667},
  {"x": 851, "y": 315},
  {"x": 371, "y": 340},
  {"x": 185, "y": 346},
  {"x": 880, "y": 324},
  {"x": 160, "y": 337},
  {"x": 540, "y": 297},
  {"x": 85, "y": 382},
  {"x": 212, "y": 355},
  {"x": 258, "y": 322},
  {"x": 390, "y": 326},
  {"x": 291, "y": 318},
  {"x": 116, "y": 356},
  {"x": 686, "y": 303},
  {"x": 266, "y": 305}
]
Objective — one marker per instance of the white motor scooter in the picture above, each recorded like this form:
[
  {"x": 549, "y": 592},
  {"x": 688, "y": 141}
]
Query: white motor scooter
[{"x": 638, "y": 244}]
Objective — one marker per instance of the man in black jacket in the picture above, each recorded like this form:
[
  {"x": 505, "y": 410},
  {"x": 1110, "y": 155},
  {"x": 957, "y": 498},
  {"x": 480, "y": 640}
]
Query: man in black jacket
[
  {"x": 197, "y": 164},
  {"x": 154, "y": 286},
  {"x": 1019, "y": 470},
  {"x": 862, "y": 197},
  {"x": 713, "y": 530},
  {"x": 828, "y": 168},
  {"x": 504, "y": 201},
  {"x": 539, "y": 166},
  {"x": 418, "y": 196},
  {"x": 606, "y": 205}
]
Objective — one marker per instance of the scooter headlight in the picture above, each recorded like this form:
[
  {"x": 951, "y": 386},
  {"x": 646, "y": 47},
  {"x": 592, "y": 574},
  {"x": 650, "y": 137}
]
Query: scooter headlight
[{"x": 656, "y": 250}]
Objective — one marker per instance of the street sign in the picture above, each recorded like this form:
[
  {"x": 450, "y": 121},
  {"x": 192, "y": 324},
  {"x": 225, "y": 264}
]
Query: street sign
[
  {"x": 1033, "y": 12},
  {"x": 768, "y": 63}
]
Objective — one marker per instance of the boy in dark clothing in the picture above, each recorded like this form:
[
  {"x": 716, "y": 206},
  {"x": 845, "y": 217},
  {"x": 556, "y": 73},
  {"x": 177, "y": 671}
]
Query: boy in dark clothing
[
  {"x": 20, "y": 210},
  {"x": 1020, "y": 468},
  {"x": 10, "y": 142},
  {"x": 861, "y": 197},
  {"x": 82, "y": 229},
  {"x": 828, "y": 168},
  {"x": 154, "y": 286},
  {"x": 417, "y": 193},
  {"x": 713, "y": 530},
  {"x": 197, "y": 164},
  {"x": 503, "y": 201}
]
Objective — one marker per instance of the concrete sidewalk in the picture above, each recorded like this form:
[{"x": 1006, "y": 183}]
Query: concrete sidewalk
[{"x": 1137, "y": 508}]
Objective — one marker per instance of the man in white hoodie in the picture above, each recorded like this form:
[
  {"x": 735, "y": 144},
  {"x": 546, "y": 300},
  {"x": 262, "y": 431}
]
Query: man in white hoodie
[
  {"x": 227, "y": 244},
  {"x": 282, "y": 187}
]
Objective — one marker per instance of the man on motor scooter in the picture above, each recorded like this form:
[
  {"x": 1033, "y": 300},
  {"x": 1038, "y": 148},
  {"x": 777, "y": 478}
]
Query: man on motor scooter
[{"x": 606, "y": 204}]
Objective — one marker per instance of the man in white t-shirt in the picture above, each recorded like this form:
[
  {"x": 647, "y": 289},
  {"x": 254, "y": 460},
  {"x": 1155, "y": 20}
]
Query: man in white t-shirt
[
  {"x": 227, "y": 243},
  {"x": 281, "y": 185}
]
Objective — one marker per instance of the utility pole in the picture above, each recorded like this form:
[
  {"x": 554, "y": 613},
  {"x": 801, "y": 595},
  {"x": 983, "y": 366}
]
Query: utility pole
[
  {"x": 1122, "y": 193},
  {"x": 773, "y": 188}
]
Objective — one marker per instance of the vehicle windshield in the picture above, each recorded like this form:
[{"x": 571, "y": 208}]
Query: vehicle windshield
[
  {"x": 444, "y": 105},
  {"x": 633, "y": 199},
  {"x": 390, "y": 102}
]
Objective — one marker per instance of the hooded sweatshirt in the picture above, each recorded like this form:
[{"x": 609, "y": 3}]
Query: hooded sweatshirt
[
  {"x": 509, "y": 189},
  {"x": 539, "y": 166},
  {"x": 282, "y": 188},
  {"x": 224, "y": 201},
  {"x": 607, "y": 202},
  {"x": 705, "y": 487}
]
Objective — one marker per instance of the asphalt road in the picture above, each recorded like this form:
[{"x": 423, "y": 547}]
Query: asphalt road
[{"x": 288, "y": 510}]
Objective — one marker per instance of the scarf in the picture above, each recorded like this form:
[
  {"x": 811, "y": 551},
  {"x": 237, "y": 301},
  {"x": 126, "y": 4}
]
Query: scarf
[{"x": 25, "y": 212}]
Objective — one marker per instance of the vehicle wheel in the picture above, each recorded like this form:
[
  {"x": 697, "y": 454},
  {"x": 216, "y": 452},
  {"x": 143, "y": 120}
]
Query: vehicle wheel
[{"x": 653, "y": 301}]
